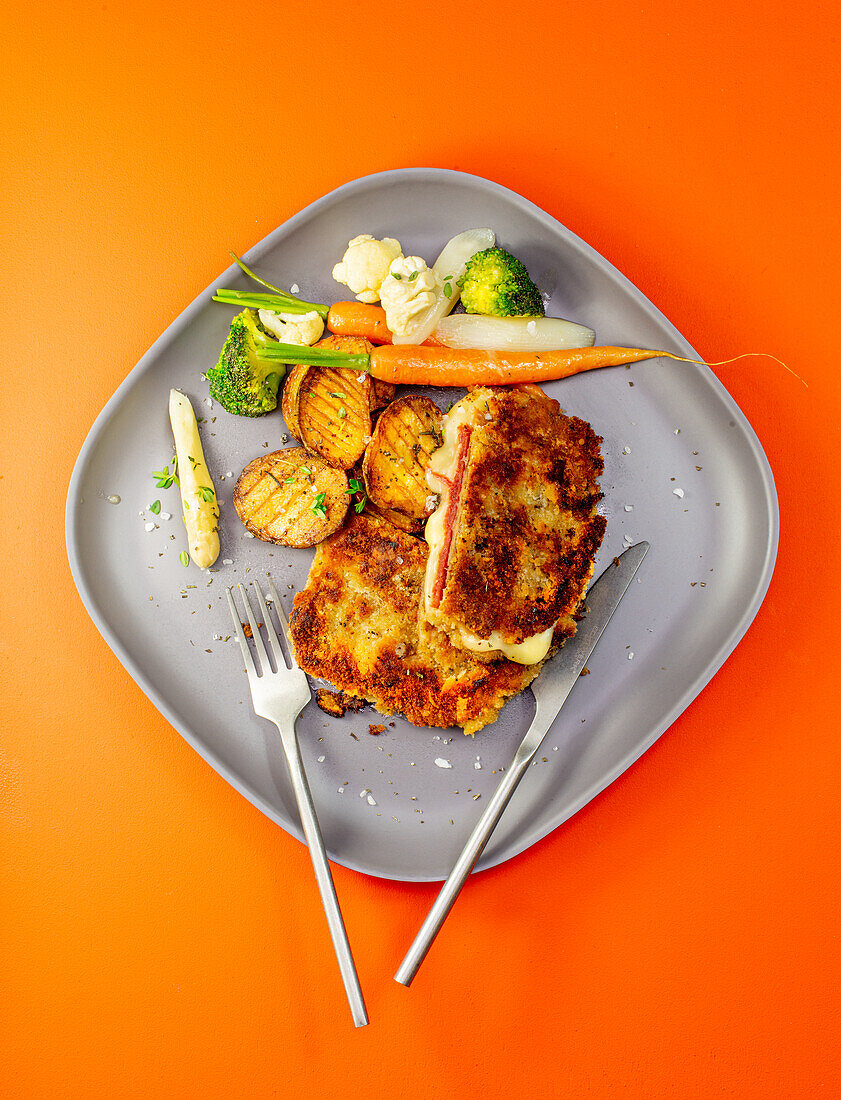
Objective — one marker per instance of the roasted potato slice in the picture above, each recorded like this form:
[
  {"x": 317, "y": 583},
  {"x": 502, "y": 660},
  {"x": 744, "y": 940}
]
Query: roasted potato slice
[
  {"x": 292, "y": 498},
  {"x": 354, "y": 345},
  {"x": 397, "y": 519},
  {"x": 395, "y": 462},
  {"x": 289, "y": 401},
  {"x": 334, "y": 414},
  {"x": 383, "y": 394}
]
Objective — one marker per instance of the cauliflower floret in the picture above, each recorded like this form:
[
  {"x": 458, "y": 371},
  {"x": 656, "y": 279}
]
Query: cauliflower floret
[
  {"x": 410, "y": 288},
  {"x": 365, "y": 264},
  {"x": 293, "y": 328}
]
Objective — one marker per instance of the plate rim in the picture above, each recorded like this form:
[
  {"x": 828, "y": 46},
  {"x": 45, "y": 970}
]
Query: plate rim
[{"x": 524, "y": 840}]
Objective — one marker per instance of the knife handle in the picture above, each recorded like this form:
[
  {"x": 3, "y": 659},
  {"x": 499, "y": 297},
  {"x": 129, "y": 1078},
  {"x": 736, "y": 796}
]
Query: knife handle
[{"x": 464, "y": 865}]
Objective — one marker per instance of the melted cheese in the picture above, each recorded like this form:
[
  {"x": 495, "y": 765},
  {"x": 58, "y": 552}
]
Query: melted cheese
[
  {"x": 528, "y": 652},
  {"x": 443, "y": 462}
]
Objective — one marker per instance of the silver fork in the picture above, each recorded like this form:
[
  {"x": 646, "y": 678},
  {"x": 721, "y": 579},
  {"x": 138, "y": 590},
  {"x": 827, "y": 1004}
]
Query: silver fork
[{"x": 279, "y": 695}]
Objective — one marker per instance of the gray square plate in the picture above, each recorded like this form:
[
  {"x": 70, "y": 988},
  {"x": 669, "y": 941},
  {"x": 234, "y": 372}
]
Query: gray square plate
[{"x": 684, "y": 470}]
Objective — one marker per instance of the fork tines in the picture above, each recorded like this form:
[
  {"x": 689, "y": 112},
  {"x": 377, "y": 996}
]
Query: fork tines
[{"x": 283, "y": 655}]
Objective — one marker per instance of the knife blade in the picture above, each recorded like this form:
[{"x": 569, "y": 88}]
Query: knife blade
[{"x": 551, "y": 689}]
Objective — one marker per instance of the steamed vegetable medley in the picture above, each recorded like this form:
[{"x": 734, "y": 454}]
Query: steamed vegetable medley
[{"x": 472, "y": 317}]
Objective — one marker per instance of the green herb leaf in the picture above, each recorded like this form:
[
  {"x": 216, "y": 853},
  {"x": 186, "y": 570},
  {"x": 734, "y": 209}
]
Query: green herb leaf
[
  {"x": 394, "y": 275},
  {"x": 360, "y": 504},
  {"x": 184, "y": 558},
  {"x": 342, "y": 412},
  {"x": 355, "y": 486},
  {"x": 341, "y": 396},
  {"x": 448, "y": 290},
  {"x": 413, "y": 276},
  {"x": 306, "y": 470},
  {"x": 155, "y": 507},
  {"x": 287, "y": 480},
  {"x": 207, "y": 493}
]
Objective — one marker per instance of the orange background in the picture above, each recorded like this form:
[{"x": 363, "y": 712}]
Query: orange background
[{"x": 679, "y": 936}]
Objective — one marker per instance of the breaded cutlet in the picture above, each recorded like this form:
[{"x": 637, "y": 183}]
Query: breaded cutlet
[
  {"x": 356, "y": 624},
  {"x": 514, "y": 538}
]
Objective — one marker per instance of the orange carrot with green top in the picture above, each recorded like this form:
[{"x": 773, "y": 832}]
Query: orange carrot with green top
[
  {"x": 412, "y": 365},
  {"x": 420, "y": 365}
]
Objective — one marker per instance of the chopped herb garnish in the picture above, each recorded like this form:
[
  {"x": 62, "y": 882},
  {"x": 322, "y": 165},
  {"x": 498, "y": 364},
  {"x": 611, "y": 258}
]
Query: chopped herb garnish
[
  {"x": 360, "y": 504},
  {"x": 184, "y": 558},
  {"x": 306, "y": 470},
  {"x": 355, "y": 486},
  {"x": 287, "y": 480},
  {"x": 448, "y": 277},
  {"x": 448, "y": 290},
  {"x": 341, "y": 396},
  {"x": 342, "y": 412},
  {"x": 155, "y": 506},
  {"x": 163, "y": 478},
  {"x": 206, "y": 492},
  {"x": 394, "y": 275},
  {"x": 413, "y": 276}
]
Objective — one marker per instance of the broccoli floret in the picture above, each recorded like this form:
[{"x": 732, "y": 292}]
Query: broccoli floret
[
  {"x": 240, "y": 382},
  {"x": 496, "y": 284}
]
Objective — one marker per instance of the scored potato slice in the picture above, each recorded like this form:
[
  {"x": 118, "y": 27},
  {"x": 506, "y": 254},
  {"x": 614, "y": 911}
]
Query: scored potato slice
[
  {"x": 397, "y": 519},
  {"x": 334, "y": 414},
  {"x": 383, "y": 394},
  {"x": 291, "y": 498},
  {"x": 329, "y": 410},
  {"x": 289, "y": 401},
  {"x": 395, "y": 462}
]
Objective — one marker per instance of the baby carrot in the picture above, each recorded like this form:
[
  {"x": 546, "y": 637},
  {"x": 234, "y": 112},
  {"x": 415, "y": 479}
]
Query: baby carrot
[
  {"x": 423, "y": 365},
  {"x": 360, "y": 319},
  {"x": 438, "y": 366}
]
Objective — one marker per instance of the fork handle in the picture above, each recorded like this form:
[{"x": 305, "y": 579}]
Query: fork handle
[{"x": 323, "y": 877}]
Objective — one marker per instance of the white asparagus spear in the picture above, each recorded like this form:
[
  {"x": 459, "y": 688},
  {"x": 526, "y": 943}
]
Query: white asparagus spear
[{"x": 198, "y": 495}]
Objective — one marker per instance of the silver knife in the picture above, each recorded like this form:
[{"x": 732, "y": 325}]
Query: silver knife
[{"x": 550, "y": 691}]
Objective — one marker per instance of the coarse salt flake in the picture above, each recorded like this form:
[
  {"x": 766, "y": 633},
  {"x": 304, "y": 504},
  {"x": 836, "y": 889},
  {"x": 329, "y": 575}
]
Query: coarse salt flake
[
  {"x": 294, "y": 289},
  {"x": 631, "y": 655},
  {"x": 477, "y": 765},
  {"x": 227, "y": 561},
  {"x": 629, "y": 507},
  {"x": 678, "y": 493},
  {"x": 150, "y": 526},
  {"x": 114, "y": 499},
  {"x": 371, "y": 800},
  {"x": 626, "y": 450},
  {"x": 321, "y": 759},
  {"x": 440, "y": 762}
]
